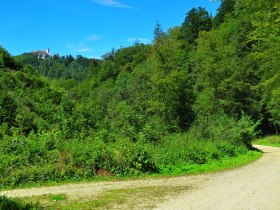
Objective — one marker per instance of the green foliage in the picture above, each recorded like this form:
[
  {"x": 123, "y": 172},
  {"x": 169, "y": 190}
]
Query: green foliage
[
  {"x": 263, "y": 39},
  {"x": 183, "y": 101},
  {"x": 224, "y": 12},
  {"x": 222, "y": 80},
  {"x": 14, "y": 204},
  {"x": 26, "y": 101},
  {"x": 192, "y": 151},
  {"x": 60, "y": 67},
  {"x": 269, "y": 141},
  {"x": 7, "y": 62},
  {"x": 59, "y": 197},
  {"x": 224, "y": 128},
  {"x": 158, "y": 32},
  {"x": 46, "y": 158},
  {"x": 8, "y": 106},
  {"x": 196, "y": 20}
]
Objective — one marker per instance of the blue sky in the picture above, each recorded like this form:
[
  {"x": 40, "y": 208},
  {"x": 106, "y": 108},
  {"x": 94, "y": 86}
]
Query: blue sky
[{"x": 89, "y": 28}]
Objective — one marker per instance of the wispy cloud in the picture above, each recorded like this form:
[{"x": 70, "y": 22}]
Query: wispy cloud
[
  {"x": 82, "y": 46},
  {"x": 82, "y": 49},
  {"x": 79, "y": 48},
  {"x": 95, "y": 57},
  {"x": 94, "y": 37},
  {"x": 141, "y": 40},
  {"x": 112, "y": 3}
]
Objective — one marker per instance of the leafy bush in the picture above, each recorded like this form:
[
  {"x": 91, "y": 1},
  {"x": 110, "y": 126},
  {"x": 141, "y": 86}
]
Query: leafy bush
[
  {"x": 221, "y": 127},
  {"x": 247, "y": 130},
  {"x": 182, "y": 150},
  {"x": 14, "y": 204},
  {"x": 135, "y": 158}
]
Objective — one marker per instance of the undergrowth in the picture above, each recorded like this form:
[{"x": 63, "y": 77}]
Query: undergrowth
[
  {"x": 16, "y": 204},
  {"x": 48, "y": 157},
  {"x": 27, "y": 165}
]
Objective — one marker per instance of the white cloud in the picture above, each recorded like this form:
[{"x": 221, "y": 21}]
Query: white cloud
[
  {"x": 79, "y": 48},
  {"x": 95, "y": 57},
  {"x": 112, "y": 3},
  {"x": 69, "y": 45},
  {"x": 82, "y": 49},
  {"x": 141, "y": 40},
  {"x": 93, "y": 37}
]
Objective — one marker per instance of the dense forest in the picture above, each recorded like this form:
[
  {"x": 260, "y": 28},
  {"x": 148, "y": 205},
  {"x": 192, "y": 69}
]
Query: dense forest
[{"x": 200, "y": 92}]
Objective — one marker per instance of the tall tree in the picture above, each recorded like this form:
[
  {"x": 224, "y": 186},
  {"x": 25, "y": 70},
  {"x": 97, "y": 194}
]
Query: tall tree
[
  {"x": 264, "y": 38},
  {"x": 222, "y": 81},
  {"x": 226, "y": 8},
  {"x": 158, "y": 32},
  {"x": 6, "y": 60},
  {"x": 196, "y": 20}
]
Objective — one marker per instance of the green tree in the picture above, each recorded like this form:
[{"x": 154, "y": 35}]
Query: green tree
[
  {"x": 7, "y": 61},
  {"x": 8, "y": 107},
  {"x": 158, "y": 32},
  {"x": 222, "y": 82},
  {"x": 196, "y": 20},
  {"x": 225, "y": 10},
  {"x": 264, "y": 41}
]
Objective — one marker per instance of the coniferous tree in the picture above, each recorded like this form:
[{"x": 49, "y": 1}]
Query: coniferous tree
[{"x": 158, "y": 32}]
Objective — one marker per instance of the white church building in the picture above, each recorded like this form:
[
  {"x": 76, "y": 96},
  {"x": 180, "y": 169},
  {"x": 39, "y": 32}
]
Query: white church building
[{"x": 42, "y": 53}]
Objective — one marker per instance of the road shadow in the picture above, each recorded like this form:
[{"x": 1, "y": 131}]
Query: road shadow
[{"x": 256, "y": 149}]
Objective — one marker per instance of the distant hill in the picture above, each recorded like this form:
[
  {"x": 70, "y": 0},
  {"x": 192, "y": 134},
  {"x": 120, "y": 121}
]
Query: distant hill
[{"x": 60, "y": 67}]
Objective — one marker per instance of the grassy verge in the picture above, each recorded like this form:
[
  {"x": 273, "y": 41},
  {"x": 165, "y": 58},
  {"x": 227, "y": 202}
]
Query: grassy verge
[
  {"x": 269, "y": 141},
  {"x": 135, "y": 198},
  {"x": 214, "y": 165}
]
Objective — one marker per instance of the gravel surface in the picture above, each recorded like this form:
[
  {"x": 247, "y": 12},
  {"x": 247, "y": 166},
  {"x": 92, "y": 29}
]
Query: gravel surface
[{"x": 252, "y": 187}]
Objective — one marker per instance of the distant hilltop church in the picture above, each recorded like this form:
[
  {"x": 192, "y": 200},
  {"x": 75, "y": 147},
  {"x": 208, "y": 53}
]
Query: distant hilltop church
[{"x": 42, "y": 53}]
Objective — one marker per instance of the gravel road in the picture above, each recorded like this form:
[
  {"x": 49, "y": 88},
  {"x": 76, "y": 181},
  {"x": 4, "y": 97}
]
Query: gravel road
[{"x": 252, "y": 187}]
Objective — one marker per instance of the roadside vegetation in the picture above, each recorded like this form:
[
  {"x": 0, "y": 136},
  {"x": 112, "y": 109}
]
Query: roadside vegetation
[
  {"x": 269, "y": 141},
  {"x": 131, "y": 198},
  {"x": 45, "y": 158},
  {"x": 135, "y": 198},
  {"x": 16, "y": 204}
]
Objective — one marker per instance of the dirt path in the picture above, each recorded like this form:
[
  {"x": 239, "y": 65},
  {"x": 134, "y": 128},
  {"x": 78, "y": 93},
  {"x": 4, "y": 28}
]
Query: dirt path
[{"x": 255, "y": 186}]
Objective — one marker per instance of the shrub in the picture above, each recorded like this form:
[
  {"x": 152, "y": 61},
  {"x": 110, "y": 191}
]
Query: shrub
[
  {"x": 14, "y": 204},
  {"x": 180, "y": 150},
  {"x": 153, "y": 130},
  {"x": 247, "y": 130},
  {"x": 139, "y": 158},
  {"x": 221, "y": 127},
  {"x": 133, "y": 158}
]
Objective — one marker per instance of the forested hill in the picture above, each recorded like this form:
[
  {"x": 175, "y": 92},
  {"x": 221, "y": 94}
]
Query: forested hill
[
  {"x": 60, "y": 67},
  {"x": 227, "y": 63},
  {"x": 212, "y": 78}
]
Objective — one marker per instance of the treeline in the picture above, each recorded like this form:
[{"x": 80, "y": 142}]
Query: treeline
[
  {"x": 199, "y": 93},
  {"x": 60, "y": 67}
]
